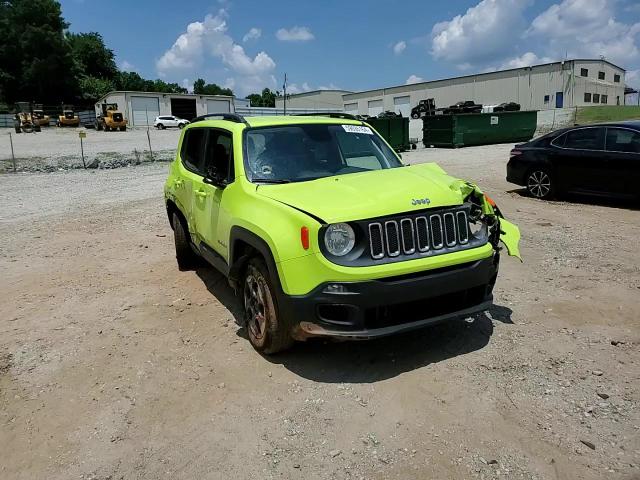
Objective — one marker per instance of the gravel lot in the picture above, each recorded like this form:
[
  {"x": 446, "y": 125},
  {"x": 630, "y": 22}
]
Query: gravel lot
[
  {"x": 59, "y": 148},
  {"x": 115, "y": 365}
]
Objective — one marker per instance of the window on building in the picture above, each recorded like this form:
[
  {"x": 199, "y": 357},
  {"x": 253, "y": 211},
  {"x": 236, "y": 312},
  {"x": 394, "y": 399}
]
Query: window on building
[
  {"x": 587, "y": 98},
  {"x": 585, "y": 139},
  {"x": 600, "y": 75},
  {"x": 546, "y": 99},
  {"x": 596, "y": 98},
  {"x": 603, "y": 98},
  {"x": 616, "y": 78},
  {"x": 584, "y": 72},
  {"x": 618, "y": 100}
]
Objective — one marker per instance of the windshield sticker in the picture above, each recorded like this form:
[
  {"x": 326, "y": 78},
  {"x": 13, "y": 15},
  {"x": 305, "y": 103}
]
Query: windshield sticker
[{"x": 357, "y": 129}]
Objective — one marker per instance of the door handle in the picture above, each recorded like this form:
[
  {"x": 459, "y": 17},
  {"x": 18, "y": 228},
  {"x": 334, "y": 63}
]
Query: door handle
[{"x": 201, "y": 194}]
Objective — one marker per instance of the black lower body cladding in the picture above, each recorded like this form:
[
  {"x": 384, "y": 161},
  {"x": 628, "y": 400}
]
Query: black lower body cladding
[{"x": 376, "y": 308}]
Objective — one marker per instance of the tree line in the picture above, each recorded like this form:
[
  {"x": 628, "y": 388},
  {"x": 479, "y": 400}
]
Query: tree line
[{"x": 42, "y": 61}]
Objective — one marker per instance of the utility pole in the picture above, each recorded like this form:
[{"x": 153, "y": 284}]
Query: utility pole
[{"x": 284, "y": 92}]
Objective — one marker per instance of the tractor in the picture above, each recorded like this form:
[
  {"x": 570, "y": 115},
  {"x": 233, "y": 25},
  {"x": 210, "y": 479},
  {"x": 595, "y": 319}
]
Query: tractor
[
  {"x": 68, "y": 117},
  {"x": 39, "y": 116},
  {"x": 110, "y": 118},
  {"x": 24, "y": 119}
]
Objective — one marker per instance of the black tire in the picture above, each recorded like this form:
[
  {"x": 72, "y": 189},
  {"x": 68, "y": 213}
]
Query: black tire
[
  {"x": 540, "y": 183},
  {"x": 267, "y": 332},
  {"x": 107, "y": 128},
  {"x": 18, "y": 129},
  {"x": 36, "y": 127},
  {"x": 97, "y": 125},
  {"x": 181, "y": 125},
  {"x": 123, "y": 129},
  {"x": 160, "y": 126},
  {"x": 185, "y": 256},
  {"x": 415, "y": 116}
]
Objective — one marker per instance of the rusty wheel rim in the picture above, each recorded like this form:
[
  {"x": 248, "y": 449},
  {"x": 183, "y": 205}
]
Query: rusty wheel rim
[{"x": 254, "y": 305}]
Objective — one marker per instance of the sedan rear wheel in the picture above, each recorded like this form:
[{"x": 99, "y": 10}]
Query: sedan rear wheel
[{"x": 540, "y": 184}]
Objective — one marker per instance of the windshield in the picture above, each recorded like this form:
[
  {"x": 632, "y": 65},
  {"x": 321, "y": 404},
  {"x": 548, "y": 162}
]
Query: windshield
[{"x": 295, "y": 153}]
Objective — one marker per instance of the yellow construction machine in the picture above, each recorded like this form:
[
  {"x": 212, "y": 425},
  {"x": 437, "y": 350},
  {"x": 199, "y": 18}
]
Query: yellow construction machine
[
  {"x": 24, "y": 118},
  {"x": 68, "y": 117},
  {"x": 110, "y": 118}
]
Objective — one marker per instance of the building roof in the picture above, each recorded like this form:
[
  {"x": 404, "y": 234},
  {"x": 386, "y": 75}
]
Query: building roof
[
  {"x": 489, "y": 73},
  {"x": 313, "y": 92},
  {"x": 194, "y": 95}
]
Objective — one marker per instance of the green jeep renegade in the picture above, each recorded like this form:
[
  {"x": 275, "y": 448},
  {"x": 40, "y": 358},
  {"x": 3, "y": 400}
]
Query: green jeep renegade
[{"x": 324, "y": 230}]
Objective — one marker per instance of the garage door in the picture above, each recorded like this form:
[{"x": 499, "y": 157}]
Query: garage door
[
  {"x": 184, "y": 108},
  {"x": 218, "y": 106},
  {"x": 402, "y": 105},
  {"x": 375, "y": 108},
  {"x": 351, "y": 108},
  {"x": 144, "y": 110}
]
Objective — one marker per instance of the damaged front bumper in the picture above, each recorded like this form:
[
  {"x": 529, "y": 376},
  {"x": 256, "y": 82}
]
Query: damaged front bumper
[{"x": 376, "y": 308}]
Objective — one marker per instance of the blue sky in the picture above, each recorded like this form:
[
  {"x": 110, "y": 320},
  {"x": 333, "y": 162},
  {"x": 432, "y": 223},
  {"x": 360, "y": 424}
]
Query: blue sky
[{"x": 355, "y": 45}]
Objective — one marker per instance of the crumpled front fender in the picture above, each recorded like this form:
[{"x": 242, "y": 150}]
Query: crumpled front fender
[{"x": 509, "y": 233}]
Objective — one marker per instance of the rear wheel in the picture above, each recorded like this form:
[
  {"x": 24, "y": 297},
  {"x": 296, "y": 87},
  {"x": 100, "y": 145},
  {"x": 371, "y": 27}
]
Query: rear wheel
[
  {"x": 181, "y": 125},
  {"x": 540, "y": 183},
  {"x": 268, "y": 333},
  {"x": 160, "y": 126},
  {"x": 185, "y": 256}
]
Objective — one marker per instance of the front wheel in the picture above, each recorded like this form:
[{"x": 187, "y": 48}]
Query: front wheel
[
  {"x": 540, "y": 183},
  {"x": 181, "y": 125},
  {"x": 160, "y": 126},
  {"x": 267, "y": 332}
]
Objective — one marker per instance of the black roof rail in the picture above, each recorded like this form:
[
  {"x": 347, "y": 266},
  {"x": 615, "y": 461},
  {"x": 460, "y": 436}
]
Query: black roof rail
[
  {"x": 346, "y": 116},
  {"x": 232, "y": 117}
]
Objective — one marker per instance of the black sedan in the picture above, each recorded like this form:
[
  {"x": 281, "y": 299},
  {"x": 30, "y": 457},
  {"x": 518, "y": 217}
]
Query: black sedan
[{"x": 599, "y": 159}]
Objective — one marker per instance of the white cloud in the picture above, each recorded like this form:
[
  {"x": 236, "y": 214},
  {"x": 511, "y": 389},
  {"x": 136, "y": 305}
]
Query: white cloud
[
  {"x": 187, "y": 84},
  {"x": 632, "y": 78},
  {"x": 209, "y": 39},
  {"x": 252, "y": 34},
  {"x": 413, "y": 79},
  {"x": 494, "y": 34},
  {"x": 525, "y": 60},
  {"x": 586, "y": 28},
  {"x": 294, "y": 88},
  {"x": 331, "y": 86},
  {"x": 126, "y": 66},
  {"x": 295, "y": 34},
  {"x": 399, "y": 47},
  {"x": 482, "y": 34}
]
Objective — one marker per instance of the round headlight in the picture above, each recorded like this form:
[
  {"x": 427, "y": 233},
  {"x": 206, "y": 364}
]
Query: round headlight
[{"x": 339, "y": 239}]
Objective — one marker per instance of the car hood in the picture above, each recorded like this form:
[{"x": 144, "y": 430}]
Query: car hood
[{"x": 371, "y": 194}]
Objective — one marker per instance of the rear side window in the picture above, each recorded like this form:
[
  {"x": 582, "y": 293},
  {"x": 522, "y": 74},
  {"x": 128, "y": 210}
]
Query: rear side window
[
  {"x": 585, "y": 139},
  {"x": 623, "y": 140},
  {"x": 192, "y": 149},
  {"x": 219, "y": 153}
]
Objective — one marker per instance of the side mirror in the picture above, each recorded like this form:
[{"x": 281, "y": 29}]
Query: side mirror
[{"x": 214, "y": 177}]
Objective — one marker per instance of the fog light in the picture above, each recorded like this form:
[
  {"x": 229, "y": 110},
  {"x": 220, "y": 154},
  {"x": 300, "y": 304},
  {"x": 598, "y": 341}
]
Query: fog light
[{"x": 335, "y": 288}]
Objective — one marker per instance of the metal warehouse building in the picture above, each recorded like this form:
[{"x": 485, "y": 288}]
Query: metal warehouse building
[
  {"x": 317, "y": 99},
  {"x": 564, "y": 84},
  {"x": 141, "y": 108}
]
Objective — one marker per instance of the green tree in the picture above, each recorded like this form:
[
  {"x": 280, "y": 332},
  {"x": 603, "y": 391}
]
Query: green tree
[
  {"x": 92, "y": 56},
  {"x": 266, "y": 99},
  {"x": 202, "y": 88},
  {"x": 36, "y": 61},
  {"x": 130, "y": 81},
  {"x": 93, "y": 88}
]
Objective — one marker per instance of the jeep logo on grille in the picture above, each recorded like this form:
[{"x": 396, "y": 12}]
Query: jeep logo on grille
[{"x": 420, "y": 201}]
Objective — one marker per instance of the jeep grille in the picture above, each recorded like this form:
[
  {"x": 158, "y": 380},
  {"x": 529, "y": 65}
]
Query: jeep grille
[{"x": 439, "y": 232}]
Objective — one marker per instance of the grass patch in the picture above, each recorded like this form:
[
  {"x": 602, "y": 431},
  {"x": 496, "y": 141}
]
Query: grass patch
[{"x": 614, "y": 113}]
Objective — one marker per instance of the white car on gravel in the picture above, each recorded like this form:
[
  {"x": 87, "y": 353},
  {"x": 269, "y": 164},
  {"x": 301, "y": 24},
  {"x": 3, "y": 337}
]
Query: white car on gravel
[{"x": 166, "y": 121}]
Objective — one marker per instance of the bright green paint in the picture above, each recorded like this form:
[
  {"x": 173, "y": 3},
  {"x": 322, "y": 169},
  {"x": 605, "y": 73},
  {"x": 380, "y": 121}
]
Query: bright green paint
[{"x": 267, "y": 210}]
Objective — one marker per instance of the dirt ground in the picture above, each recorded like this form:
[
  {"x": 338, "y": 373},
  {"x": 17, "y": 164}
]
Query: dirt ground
[
  {"x": 55, "y": 149},
  {"x": 115, "y": 365}
]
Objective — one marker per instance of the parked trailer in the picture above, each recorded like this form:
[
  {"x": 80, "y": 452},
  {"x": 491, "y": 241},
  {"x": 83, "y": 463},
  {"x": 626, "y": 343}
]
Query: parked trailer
[{"x": 468, "y": 129}]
